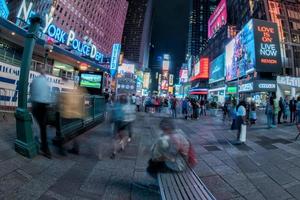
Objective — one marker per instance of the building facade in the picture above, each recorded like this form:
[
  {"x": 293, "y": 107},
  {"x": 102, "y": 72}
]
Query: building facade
[
  {"x": 101, "y": 21},
  {"x": 137, "y": 32},
  {"x": 287, "y": 17},
  {"x": 200, "y": 11}
]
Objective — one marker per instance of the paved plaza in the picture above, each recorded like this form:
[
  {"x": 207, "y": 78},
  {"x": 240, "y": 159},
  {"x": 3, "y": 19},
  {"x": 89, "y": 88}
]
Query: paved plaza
[{"x": 266, "y": 167}]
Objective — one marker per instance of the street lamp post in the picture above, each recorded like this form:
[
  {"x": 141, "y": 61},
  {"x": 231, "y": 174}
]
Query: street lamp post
[{"x": 25, "y": 143}]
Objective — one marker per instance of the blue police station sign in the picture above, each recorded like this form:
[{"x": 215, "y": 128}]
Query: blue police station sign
[
  {"x": 116, "y": 50},
  {"x": 67, "y": 38},
  {"x": 4, "y": 12}
]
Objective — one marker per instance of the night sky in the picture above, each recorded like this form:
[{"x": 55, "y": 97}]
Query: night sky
[{"x": 169, "y": 31}]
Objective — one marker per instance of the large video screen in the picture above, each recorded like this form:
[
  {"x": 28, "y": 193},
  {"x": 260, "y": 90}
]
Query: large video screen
[
  {"x": 217, "y": 19},
  {"x": 240, "y": 53},
  {"x": 91, "y": 80},
  {"x": 217, "y": 69}
]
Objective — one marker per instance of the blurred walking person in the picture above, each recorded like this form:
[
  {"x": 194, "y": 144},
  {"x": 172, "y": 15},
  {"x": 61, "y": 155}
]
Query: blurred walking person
[
  {"x": 185, "y": 105},
  {"x": 138, "y": 103},
  {"x": 286, "y": 110},
  {"x": 40, "y": 98},
  {"x": 281, "y": 110},
  {"x": 275, "y": 111},
  {"x": 241, "y": 118},
  {"x": 118, "y": 125},
  {"x": 269, "y": 111},
  {"x": 292, "y": 110},
  {"x": 298, "y": 109},
  {"x": 174, "y": 106}
]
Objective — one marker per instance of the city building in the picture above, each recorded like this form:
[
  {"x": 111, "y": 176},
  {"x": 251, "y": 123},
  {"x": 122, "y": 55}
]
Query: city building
[
  {"x": 287, "y": 17},
  {"x": 137, "y": 32},
  {"x": 200, "y": 11},
  {"x": 101, "y": 22},
  {"x": 79, "y": 38}
]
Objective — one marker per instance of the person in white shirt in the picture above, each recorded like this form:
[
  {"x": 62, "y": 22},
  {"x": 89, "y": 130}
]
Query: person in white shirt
[
  {"x": 40, "y": 98},
  {"x": 241, "y": 117},
  {"x": 138, "y": 103}
]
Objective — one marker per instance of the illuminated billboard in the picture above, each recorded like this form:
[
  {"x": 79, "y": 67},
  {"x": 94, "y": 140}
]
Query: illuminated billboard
[
  {"x": 183, "y": 74},
  {"x": 201, "y": 69},
  {"x": 166, "y": 65},
  {"x": 255, "y": 47},
  {"x": 268, "y": 56},
  {"x": 217, "y": 69},
  {"x": 171, "y": 79},
  {"x": 146, "y": 81},
  {"x": 126, "y": 68},
  {"x": 217, "y": 19},
  {"x": 4, "y": 12}
]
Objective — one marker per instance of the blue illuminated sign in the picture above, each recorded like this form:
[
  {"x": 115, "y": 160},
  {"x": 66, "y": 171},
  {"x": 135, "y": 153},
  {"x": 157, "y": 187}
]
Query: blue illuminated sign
[
  {"x": 116, "y": 50},
  {"x": 4, "y": 12}
]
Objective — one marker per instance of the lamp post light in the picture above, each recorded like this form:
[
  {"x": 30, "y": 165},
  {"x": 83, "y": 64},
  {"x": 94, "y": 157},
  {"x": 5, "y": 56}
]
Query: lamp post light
[{"x": 25, "y": 143}]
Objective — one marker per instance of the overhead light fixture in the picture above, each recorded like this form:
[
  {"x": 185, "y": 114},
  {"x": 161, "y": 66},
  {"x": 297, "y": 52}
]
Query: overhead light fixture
[{"x": 13, "y": 33}]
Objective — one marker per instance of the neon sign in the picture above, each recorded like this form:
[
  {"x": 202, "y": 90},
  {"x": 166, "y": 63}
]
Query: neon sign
[
  {"x": 4, "y": 12},
  {"x": 69, "y": 39}
]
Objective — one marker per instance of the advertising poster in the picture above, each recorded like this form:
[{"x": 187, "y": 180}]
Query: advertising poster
[
  {"x": 165, "y": 80},
  {"x": 202, "y": 68},
  {"x": 166, "y": 65},
  {"x": 268, "y": 56},
  {"x": 217, "y": 19},
  {"x": 146, "y": 80},
  {"x": 240, "y": 53},
  {"x": 164, "y": 85},
  {"x": 171, "y": 79},
  {"x": 126, "y": 68},
  {"x": 217, "y": 69},
  {"x": 184, "y": 75}
]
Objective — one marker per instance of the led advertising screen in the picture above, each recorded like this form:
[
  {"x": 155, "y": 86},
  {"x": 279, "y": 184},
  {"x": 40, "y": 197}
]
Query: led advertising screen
[
  {"x": 257, "y": 47},
  {"x": 126, "y": 68},
  {"x": 166, "y": 65},
  {"x": 240, "y": 53},
  {"x": 217, "y": 69},
  {"x": 146, "y": 81},
  {"x": 4, "y": 12},
  {"x": 268, "y": 56},
  {"x": 217, "y": 19},
  {"x": 184, "y": 75},
  {"x": 201, "y": 69},
  {"x": 91, "y": 80}
]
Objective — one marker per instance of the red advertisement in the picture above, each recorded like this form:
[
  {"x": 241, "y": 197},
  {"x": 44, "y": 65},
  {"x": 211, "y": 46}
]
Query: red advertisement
[
  {"x": 203, "y": 69},
  {"x": 217, "y": 19}
]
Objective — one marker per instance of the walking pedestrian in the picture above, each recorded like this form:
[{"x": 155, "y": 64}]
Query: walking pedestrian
[
  {"x": 252, "y": 114},
  {"x": 138, "y": 103},
  {"x": 173, "y": 107},
  {"x": 185, "y": 108},
  {"x": 275, "y": 111},
  {"x": 241, "y": 118},
  {"x": 298, "y": 109},
  {"x": 40, "y": 98},
  {"x": 119, "y": 138},
  {"x": 269, "y": 111},
  {"x": 281, "y": 110},
  {"x": 233, "y": 115},
  {"x": 292, "y": 110},
  {"x": 286, "y": 109}
]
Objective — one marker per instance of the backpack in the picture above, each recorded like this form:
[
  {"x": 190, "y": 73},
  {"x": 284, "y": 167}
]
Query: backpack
[{"x": 192, "y": 158}]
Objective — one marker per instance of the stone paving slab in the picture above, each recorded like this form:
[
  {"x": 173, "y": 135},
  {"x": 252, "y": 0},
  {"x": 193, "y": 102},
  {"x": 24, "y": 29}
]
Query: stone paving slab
[{"x": 266, "y": 167}]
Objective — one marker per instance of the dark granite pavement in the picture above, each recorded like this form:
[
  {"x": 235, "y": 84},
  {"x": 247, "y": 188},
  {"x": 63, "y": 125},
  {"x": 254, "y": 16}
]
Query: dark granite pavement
[{"x": 266, "y": 167}]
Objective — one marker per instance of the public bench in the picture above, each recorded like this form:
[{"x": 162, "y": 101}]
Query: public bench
[{"x": 183, "y": 186}]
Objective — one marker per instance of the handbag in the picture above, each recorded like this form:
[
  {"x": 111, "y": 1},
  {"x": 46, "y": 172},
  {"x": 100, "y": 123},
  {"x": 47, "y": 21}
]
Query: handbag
[{"x": 243, "y": 134}]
